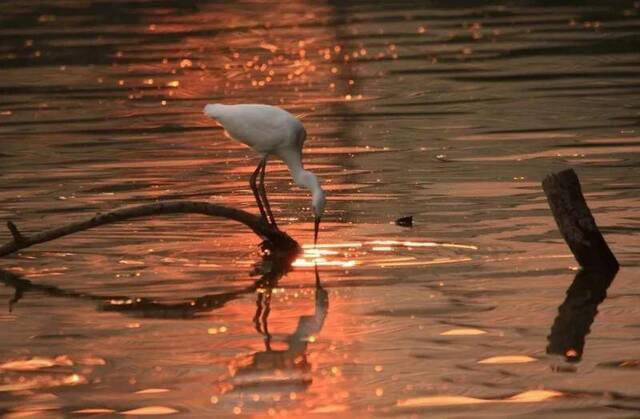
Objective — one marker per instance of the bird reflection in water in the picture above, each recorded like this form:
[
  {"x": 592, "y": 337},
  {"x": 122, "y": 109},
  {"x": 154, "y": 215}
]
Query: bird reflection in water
[
  {"x": 280, "y": 367},
  {"x": 577, "y": 312}
]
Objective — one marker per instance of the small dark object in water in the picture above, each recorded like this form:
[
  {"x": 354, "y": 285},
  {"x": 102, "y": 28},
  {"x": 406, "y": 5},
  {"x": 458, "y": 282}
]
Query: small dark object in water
[{"x": 405, "y": 221}]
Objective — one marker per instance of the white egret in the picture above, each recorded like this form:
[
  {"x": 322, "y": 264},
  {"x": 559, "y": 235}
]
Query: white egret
[{"x": 270, "y": 130}]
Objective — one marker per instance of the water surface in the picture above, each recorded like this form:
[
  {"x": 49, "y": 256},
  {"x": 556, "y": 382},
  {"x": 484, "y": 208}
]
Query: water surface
[{"x": 451, "y": 114}]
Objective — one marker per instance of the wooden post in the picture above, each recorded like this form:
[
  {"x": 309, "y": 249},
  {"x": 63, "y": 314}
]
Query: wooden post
[
  {"x": 576, "y": 223},
  {"x": 599, "y": 266}
]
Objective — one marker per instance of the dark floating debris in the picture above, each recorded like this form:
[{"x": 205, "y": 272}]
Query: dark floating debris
[
  {"x": 598, "y": 265},
  {"x": 405, "y": 221}
]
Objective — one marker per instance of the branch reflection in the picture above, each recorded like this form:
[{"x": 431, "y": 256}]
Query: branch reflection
[
  {"x": 274, "y": 265},
  {"x": 577, "y": 312}
]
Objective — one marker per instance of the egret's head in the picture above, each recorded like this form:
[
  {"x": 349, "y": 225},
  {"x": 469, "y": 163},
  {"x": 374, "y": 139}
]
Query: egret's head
[{"x": 308, "y": 180}]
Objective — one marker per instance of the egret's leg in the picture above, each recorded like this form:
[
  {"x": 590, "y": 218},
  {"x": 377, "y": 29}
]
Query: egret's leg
[
  {"x": 263, "y": 192},
  {"x": 254, "y": 188}
]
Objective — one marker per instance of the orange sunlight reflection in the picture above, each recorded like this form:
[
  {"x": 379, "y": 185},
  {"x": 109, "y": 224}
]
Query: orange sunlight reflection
[
  {"x": 508, "y": 359},
  {"x": 530, "y": 396},
  {"x": 348, "y": 255}
]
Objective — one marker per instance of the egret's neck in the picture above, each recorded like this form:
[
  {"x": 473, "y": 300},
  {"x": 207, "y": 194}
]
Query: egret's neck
[
  {"x": 306, "y": 179},
  {"x": 301, "y": 177}
]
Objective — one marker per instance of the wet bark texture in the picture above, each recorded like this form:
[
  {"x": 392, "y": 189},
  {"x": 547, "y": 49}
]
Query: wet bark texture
[{"x": 576, "y": 223}]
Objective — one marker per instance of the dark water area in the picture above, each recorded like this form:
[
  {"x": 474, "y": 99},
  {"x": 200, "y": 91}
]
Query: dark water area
[{"x": 452, "y": 112}]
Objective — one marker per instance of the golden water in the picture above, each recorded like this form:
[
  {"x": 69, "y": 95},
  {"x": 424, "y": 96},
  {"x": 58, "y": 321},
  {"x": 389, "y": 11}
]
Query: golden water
[{"x": 452, "y": 114}]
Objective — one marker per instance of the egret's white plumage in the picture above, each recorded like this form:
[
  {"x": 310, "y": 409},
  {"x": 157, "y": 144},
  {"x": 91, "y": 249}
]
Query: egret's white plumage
[
  {"x": 270, "y": 130},
  {"x": 263, "y": 128}
]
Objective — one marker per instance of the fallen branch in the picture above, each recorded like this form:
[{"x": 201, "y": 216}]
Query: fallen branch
[
  {"x": 576, "y": 223},
  {"x": 278, "y": 238}
]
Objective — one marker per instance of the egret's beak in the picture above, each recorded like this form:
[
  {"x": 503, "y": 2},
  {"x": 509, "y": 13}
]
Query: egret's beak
[{"x": 315, "y": 233}]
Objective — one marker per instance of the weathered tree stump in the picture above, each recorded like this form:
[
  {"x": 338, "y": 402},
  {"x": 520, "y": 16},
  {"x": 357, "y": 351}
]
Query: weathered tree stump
[
  {"x": 599, "y": 266},
  {"x": 576, "y": 223}
]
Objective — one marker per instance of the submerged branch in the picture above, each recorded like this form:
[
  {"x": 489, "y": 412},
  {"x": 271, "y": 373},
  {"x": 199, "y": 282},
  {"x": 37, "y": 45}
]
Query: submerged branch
[{"x": 279, "y": 239}]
